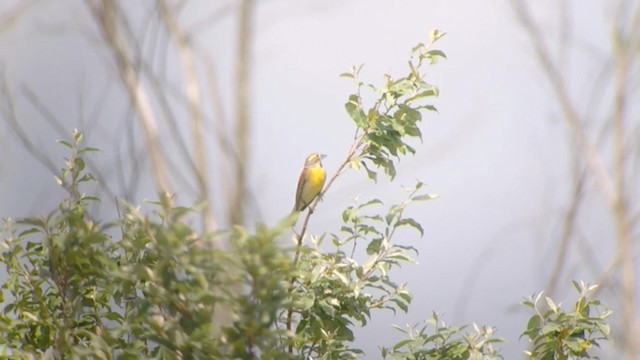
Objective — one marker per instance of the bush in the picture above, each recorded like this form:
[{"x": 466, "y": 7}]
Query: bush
[{"x": 151, "y": 287}]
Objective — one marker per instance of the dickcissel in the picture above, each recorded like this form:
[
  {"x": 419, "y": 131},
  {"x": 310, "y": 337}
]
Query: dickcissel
[{"x": 311, "y": 181}]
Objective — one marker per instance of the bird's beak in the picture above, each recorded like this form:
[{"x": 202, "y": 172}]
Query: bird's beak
[{"x": 322, "y": 156}]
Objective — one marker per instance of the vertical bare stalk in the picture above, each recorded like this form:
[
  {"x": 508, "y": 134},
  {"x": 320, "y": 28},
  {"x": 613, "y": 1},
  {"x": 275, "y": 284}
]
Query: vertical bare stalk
[
  {"x": 242, "y": 130},
  {"x": 106, "y": 14},
  {"x": 194, "y": 104},
  {"x": 622, "y": 51}
]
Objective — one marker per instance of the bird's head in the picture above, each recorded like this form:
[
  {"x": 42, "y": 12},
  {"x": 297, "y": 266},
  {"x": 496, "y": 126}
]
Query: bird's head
[{"x": 314, "y": 159}]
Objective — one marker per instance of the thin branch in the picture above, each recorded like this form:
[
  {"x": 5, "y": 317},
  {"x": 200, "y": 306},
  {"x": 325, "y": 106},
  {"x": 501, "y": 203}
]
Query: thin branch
[
  {"x": 45, "y": 112},
  {"x": 194, "y": 101},
  {"x": 12, "y": 117},
  {"x": 107, "y": 15},
  {"x": 568, "y": 229},
  {"x": 11, "y": 16},
  {"x": 622, "y": 218},
  {"x": 594, "y": 159},
  {"x": 242, "y": 107}
]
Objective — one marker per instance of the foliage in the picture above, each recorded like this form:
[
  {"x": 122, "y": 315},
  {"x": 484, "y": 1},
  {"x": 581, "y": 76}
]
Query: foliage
[
  {"x": 75, "y": 290},
  {"x": 444, "y": 343},
  {"x": 556, "y": 334},
  {"x": 333, "y": 289},
  {"x": 384, "y": 127},
  {"x": 151, "y": 287}
]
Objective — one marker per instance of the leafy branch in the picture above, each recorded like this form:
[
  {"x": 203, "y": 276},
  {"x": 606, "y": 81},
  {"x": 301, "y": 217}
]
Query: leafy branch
[{"x": 380, "y": 139}]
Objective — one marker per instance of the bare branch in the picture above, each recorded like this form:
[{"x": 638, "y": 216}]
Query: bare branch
[
  {"x": 194, "y": 102},
  {"x": 569, "y": 226},
  {"x": 11, "y": 16},
  {"x": 12, "y": 117},
  {"x": 106, "y": 14},
  {"x": 242, "y": 129},
  {"x": 594, "y": 159}
]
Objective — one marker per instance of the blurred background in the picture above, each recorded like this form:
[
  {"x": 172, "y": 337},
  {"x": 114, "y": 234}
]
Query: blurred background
[{"x": 534, "y": 152}]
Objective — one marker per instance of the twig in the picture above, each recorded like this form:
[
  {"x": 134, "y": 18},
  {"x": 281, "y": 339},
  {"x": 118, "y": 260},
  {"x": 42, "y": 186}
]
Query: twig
[
  {"x": 19, "y": 131},
  {"x": 107, "y": 20},
  {"x": 568, "y": 231},
  {"x": 242, "y": 130},
  {"x": 194, "y": 101},
  {"x": 594, "y": 159}
]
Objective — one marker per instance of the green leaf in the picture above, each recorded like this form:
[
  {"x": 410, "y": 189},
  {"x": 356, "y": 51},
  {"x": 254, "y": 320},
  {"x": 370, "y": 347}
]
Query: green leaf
[
  {"x": 370, "y": 173},
  {"x": 65, "y": 143},
  {"x": 374, "y": 246},
  {"x": 424, "y": 197},
  {"x": 402, "y": 305},
  {"x": 327, "y": 308},
  {"x": 436, "y": 53},
  {"x": 412, "y": 223},
  {"x": 435, "y": 35},
  {"x": 302, "y": 325},
  {"x": 551, "y": 304},
  {"x": 355, "y": 111},
  {"x": 433, "y": 92},
  {"x": 29, "y": 232},
  {"x": 604, "y": 328},
  {"x": 40, "y": 223},
  {"x": 89, "y": 149},
  {"x": 86, "y": 177},
  {"x": 370, "y": 203},
  {"x": 533, "y": 327},
  {"x": 550, "y": 328},
  {"x": 79, "y": 163}
]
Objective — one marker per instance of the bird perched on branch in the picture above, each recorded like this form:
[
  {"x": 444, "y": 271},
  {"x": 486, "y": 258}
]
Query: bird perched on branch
[{"x": 311, "y": 181}]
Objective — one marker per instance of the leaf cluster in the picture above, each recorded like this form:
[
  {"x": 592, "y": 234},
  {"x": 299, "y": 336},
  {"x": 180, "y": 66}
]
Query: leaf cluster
[
  {"x": 334, "y": 292},
  {"x": 557, "y": 334},
  {"x": 385, "y": 127},
  {"x": 434, "y": 340},
  {"x": 140, "y": 287}
]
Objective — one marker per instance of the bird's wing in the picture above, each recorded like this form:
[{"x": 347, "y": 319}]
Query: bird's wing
[{"x": 301, "y": 182}]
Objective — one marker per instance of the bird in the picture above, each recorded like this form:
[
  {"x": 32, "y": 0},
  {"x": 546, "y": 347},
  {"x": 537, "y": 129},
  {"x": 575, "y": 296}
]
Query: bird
[{"x": 311, "y": 181}]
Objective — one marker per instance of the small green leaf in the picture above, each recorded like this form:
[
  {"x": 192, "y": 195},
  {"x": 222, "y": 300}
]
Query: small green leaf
[
  {"x": 424, "y": 197},
  {"x": 550, "y": 328},
  {"x": 29, "y": 232},
  {"x": 435, "y": 35},
  {"x": 374, "y": 246},
  {"x": 355, "y": 111},
  {"x": 552, "y": 305},
  {"x": 89, "y": 149},
  {"x": 65, "y": 143},
  {"x": 436, "y": 53},
  {"x": 79, "y": 163},
  {"x": 412, "y": 223},
  {"x": 370, "y": 173},
  {"x": 370, "y": 203}
]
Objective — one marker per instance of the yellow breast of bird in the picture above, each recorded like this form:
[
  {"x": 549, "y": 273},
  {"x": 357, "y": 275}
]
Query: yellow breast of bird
[{"x": 315, "y": 177}]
